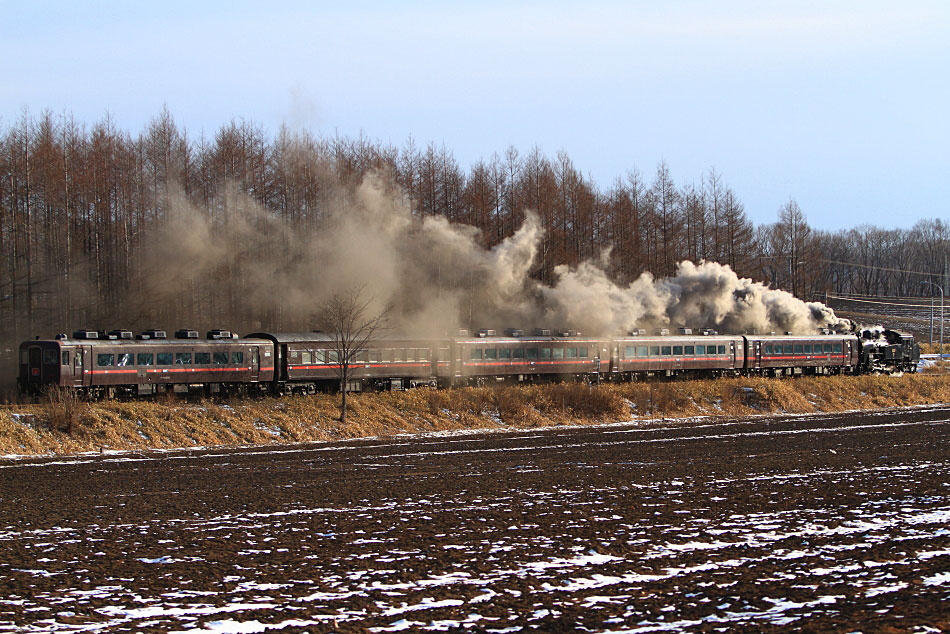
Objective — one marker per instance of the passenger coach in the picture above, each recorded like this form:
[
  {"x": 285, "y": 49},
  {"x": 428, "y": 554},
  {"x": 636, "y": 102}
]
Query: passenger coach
[
  {"x": 118, "y": 363},
  {"x": 776, "y": 355}
]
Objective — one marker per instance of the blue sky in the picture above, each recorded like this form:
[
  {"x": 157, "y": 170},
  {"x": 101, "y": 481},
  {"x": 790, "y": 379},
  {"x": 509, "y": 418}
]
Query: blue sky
[{"x": 844, "y": 106}]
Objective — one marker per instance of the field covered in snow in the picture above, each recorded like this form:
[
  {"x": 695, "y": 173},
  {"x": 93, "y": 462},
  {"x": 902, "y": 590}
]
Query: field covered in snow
[{"x": 827, "y": 523}]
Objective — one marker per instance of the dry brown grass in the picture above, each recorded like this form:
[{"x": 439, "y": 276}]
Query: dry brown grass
[
  {"x": 61, "y": 425},
  {"x": 940, "y": 367},
  {"x": 934, "y": 348}
]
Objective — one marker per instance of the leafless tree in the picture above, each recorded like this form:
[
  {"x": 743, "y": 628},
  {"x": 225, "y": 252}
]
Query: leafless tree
[{"x": 351, "y": 321}]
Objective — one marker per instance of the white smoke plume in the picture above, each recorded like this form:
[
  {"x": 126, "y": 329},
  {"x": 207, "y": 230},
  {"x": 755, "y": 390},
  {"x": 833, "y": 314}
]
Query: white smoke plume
[
  {"x": 436, "y": 275},
  {"x": 704, "y": 295}
]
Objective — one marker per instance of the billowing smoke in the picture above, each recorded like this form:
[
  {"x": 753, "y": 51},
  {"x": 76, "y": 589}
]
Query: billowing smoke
[
  {"x": 435, "y": 275},
  {"x": 704, "y": 295}
]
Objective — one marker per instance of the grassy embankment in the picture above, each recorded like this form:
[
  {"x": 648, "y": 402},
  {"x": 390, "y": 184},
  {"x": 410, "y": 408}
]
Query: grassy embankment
[{"x": 64, "y": 425}]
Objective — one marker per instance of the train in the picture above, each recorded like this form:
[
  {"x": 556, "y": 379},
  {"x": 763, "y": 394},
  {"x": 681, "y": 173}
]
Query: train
[{"x": 116, "y": 363}]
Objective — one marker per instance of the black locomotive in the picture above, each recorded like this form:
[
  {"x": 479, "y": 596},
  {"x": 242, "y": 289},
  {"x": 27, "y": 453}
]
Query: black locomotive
[{"x": 101, "y": 364}]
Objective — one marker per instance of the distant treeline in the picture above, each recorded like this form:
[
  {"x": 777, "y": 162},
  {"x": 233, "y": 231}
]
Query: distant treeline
[{"x": 77, "y": 203}]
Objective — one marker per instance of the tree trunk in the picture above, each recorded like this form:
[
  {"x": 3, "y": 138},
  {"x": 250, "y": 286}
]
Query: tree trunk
[{"x": 343, "y": 400}]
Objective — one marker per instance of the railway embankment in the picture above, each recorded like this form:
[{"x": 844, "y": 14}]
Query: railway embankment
[{"x": 65, "y": 425}]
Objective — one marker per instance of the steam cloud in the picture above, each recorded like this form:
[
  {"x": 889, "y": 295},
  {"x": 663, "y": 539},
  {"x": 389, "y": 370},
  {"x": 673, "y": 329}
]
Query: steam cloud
[{"x": 437, "y": 276}]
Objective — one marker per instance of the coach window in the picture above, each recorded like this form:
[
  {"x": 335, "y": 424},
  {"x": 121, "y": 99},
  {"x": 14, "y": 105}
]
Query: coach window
[
  {"x": 545, "y": 353},
  {"x": 787, "y": 349},
  {"x": 689, "y": 350},
  {"x": 220, "y": 358},
  {"x": 572, "y": 353},
  {"x": 182, "y": 358},
  {"x": 642, "y": 351},
  {"x": 203, "y": 358},
  {"x": 700, "y": 349},
  {"x": 333, "y": 356},
  {"x": 124, "y": 359},
  {"x": 558, "y": 353},
  {"x": 386, "y": 355},
  {"x": 399, "y": 355},
  {"x": 799, "y": 349},
  {"x": 360, "y": 356},
  {"x": 666, "y": 351},
  {"x": 164, "y": 358},
  {"x": 372, "y": 356},
  {"x": 837, "y": 347},
  {"x": 629, "y": 352},
  {"x": 65, "y": 358},
  {"x": 476, "y": 354},
  {"x": 721, "y": 350},
  {"x": 808, "y": 348},
  {"x": 582, "y": 352},
  {"x": 532, "y": 353},
  {"x": 517, "y": 353},
  {"x": 306, "y": 357},
  {"x": 236, "y": 357},
  {"x": 504, "y": 353},
  {"x": 491, "y": 353},
  {"x": 144, "y": 358},
  {"x": 105, "y": 360},
  {"x": 826, "y": 347},
  {"x": 50, "y": 357}
]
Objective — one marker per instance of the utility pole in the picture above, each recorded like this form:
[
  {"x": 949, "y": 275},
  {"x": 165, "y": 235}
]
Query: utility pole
[
  {"x": 931, "y": 319},
  {"x": 939, "y": 288}
]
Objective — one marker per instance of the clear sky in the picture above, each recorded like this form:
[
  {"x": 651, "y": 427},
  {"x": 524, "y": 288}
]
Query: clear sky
[{"x": 844, "y": 106}]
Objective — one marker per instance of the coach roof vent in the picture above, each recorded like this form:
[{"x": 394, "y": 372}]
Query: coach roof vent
[
  {"x": 514, "y": 332},
  {"x": 542, "y": 332},
  {"x": 186, "y": 334},
  {"x": 217, "y": 333},
  {"x": 566, "y": 333},
  {"x": 85, "y": 334},
  {"x": 462, "y": 332},
  {"x": 684, "y": 331},
  {"x": 121, "y": 334},
  {"x": 663, "y": 331},
  {"x": 708, "y": 332},
  {"x": 486, "y": 332},
  {"x": 638, "y": 332},
  {"x": 152, "y": 333}
]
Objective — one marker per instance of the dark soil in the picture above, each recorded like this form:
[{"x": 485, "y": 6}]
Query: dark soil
[{"x": 820, "y": 524}]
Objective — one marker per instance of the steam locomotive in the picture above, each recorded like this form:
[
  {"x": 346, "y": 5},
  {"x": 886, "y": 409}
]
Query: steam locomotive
[{"x": 118, "y": 363}]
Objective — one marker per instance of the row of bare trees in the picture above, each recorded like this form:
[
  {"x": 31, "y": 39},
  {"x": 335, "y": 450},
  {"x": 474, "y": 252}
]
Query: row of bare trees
[
  {"x": 865, "y": 261},
  {"x": 78, "y": 201}
]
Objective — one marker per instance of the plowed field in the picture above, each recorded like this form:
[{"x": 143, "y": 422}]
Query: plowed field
[{"x": 820, "y": 523}]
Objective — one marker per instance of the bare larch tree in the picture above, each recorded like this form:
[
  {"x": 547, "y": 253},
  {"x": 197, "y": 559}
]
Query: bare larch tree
[{"x": 351, "y": 323}]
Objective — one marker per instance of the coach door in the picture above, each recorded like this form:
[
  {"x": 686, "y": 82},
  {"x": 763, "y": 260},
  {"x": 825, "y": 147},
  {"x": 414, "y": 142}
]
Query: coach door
[
  {"x": 81, "y": 357},
  {"x": 34, "y": 365},
  {"x": 255, "y": 363},
  {"x": 758, "y": 355}
]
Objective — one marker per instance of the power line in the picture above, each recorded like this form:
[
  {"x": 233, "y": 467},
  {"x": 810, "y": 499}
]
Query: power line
[
  {"x": 868, "y": 301},
  {"x": 880, "y": 268}
]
